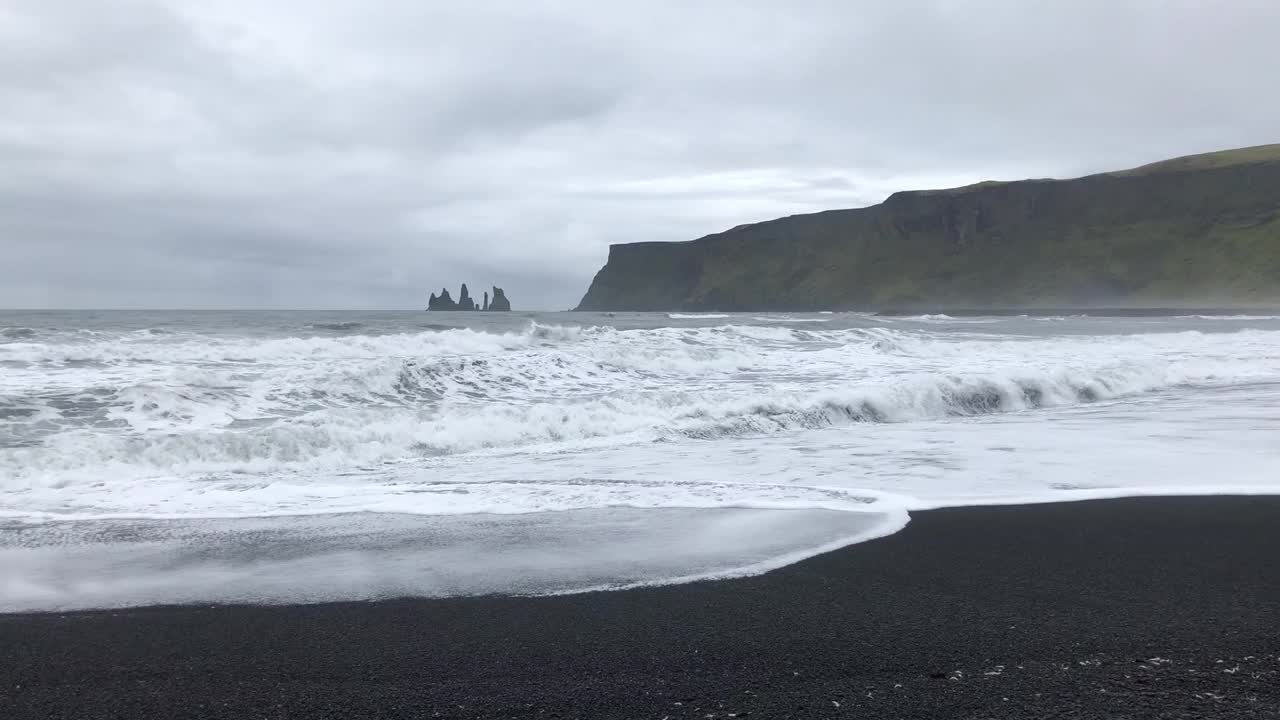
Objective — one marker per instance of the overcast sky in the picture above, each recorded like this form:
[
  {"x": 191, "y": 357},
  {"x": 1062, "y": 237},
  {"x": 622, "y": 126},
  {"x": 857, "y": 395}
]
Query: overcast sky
[{"x": 358, "y": 154}]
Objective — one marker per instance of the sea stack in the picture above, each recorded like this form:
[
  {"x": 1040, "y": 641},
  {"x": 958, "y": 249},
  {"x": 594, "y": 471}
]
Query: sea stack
[
  {"x": 443, "y": 301},
  {"x": 500, "y": 301}
]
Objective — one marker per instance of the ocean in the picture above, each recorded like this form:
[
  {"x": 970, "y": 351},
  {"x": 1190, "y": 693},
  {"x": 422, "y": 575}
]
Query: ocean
[{"x": 278, "y": 457}]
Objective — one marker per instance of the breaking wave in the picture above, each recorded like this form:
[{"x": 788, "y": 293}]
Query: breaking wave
[
  {"x": 766, "y": 318},
  {"x": 337, "y": 326},
  {"x": 854, "y": 421},
  {"x": 1241, "y": 318},
  {"x": 17, "y": 333},
  {"x": 175, "y": 405},
  {"x": 372, "y": 429}
]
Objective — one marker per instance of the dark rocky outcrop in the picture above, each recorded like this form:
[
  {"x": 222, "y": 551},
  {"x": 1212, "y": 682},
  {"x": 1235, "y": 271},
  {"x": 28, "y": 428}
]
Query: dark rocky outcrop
[
  {"x": 1200, "y": 229},
  {"x": 500, "y": 301},
  {"x": 444, "y": 302},
  {"x": 466, "y": 302}
]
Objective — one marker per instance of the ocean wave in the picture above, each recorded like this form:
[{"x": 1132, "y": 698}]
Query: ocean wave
[
  {"x": 762, "y": 318},
  {"x": 190, "y": 405},
  {"x": 707, "y": 316},
  {"x": 179, "y": 348},
  {"x": 1229, "y": 317},
  {"x": 496, "y": 497},
  {"x": 187, "y": 350},
  {"x": 360, "y": 435},
  {"x": 948, "y": 319},
  {"x": 336, "y": 326},
  {"x": 18, "y": 333}
]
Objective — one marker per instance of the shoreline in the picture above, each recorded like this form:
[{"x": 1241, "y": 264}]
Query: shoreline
[
  {"x": 1139, "y": 607},
  {"x": 1104, "y": 311}
]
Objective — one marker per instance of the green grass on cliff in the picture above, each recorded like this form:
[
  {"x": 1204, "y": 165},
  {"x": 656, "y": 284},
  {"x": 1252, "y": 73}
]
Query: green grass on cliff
[{"x": 1205, "y": 161}]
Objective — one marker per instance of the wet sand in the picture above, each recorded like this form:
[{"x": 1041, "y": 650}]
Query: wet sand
[{"x": 1139, "y": 608}]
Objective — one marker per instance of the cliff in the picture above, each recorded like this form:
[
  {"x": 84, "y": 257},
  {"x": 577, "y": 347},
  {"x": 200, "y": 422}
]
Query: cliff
[{"x": 1195, "y": 229}]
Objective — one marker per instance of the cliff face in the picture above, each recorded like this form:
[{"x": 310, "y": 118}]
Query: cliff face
[{"x": 1202, "y": 228}]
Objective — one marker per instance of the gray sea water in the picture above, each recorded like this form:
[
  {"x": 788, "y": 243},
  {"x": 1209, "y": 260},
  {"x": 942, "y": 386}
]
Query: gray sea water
[{"x": 158, "y": 457}]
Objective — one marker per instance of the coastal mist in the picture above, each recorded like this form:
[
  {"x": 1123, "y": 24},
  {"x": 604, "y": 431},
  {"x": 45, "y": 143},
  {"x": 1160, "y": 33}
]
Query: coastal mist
[{"x": 184, "y": 457}]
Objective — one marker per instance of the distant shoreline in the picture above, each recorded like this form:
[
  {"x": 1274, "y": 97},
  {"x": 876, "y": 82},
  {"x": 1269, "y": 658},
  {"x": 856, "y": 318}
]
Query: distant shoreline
[
  {"x": 1165, "y": 311},
  {"x": 1153, "y": 311}
]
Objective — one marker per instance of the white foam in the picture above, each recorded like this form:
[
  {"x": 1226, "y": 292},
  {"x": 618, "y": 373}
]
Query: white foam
[
  {"x": 188, "y": 425},
  {"x": 939, "y": 318},
  {"x": 536, "y": 427},
  {"x": 703, "y": 316},
  {"x": 765, "y": 318},
  {"x": 1081, "y": 495},
  {"x": 886, "y": 524},
  {"x": 425, "y": 491},
  {"x": 356, "y": 557},
  {"x": 1231, "y": 317},
  {"x": 359, "y": 429}
]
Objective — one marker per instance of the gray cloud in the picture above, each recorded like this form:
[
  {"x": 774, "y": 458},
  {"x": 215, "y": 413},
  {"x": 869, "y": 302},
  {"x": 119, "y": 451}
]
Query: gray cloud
[{"x": 334, "y": 153}]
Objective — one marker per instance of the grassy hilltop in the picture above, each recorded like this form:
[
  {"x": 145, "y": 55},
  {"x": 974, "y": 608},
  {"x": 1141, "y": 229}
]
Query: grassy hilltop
[{"x": 1197, "y": 229}]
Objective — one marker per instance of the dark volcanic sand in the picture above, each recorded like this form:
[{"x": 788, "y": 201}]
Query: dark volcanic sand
[{"x": 1146, "y": 608}]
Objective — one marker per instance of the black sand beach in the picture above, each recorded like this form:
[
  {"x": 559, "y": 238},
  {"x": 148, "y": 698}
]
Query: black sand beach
[{"x": 1139, "y": 608}]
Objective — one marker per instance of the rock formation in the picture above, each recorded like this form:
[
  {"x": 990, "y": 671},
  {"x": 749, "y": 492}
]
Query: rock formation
[
  {"x": 1203, "y": 229},
  {"x": 500, "y": 301},
  {"x": 464, "y": 299},
  {"x": 444, "y": 302}
]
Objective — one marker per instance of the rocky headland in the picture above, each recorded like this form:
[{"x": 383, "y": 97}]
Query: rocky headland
[{"x": 1197, "y": 230}]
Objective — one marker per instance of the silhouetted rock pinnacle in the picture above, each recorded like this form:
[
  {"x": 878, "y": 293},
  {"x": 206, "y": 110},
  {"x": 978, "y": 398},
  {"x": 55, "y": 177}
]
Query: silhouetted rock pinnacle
[
  {"x": 500, "y": 301},
  {"x": 444, "y": 302}
]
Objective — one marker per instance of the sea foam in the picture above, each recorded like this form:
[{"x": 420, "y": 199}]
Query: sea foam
[
  {"x": 228, "y": 463},
  {"x": 184, "y": 409}
]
